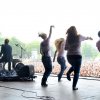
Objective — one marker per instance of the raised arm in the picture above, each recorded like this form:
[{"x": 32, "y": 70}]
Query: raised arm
[{"x": 50, "y": 32}]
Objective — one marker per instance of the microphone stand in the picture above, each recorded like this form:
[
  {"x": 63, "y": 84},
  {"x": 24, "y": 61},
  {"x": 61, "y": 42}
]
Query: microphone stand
[{"x": 22, "y": 49}]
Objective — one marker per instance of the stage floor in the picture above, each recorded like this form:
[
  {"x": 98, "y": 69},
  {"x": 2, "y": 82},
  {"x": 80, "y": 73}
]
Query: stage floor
[{"x": 32, "y": 90}]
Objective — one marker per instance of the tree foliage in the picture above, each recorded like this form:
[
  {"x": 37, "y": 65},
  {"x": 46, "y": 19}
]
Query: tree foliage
[{"x": 88, "y": 51}]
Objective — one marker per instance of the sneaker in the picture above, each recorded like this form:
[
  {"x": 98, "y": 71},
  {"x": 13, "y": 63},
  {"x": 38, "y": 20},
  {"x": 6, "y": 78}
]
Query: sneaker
[
  {"x": 59, "y": 80},
  {"x": 68, "y": 77},
  {"x": 44, "y": 85},
  {"x": 74, "y": 88}
]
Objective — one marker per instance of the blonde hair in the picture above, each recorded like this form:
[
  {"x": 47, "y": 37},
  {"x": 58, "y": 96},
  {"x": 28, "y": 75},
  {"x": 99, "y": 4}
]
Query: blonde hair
[
  {"x": 58, "y": 43},
  {"x": 43, "y": 35}
]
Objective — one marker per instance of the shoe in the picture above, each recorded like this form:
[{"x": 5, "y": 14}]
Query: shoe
[
  {"x": 59, "y": 80},
  {"x": 74, "y": 88},
  {"x": 44, "y": 85},
  {"x": 68, "y": 77}
]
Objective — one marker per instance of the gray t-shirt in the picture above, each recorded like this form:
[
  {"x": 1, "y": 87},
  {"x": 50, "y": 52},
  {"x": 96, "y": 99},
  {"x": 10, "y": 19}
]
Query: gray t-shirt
[
  {"x": 98, "y": 45},
  {"x": 74, "y": 49},
  {"x": 45, "y": 47}
]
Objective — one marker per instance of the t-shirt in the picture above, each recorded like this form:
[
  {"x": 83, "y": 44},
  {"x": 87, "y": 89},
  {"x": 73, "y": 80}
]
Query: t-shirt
[
  {"x": 45, "y": 47},
  {"x": 74, "y": 49},
  {"x": 98, "y": 45}
]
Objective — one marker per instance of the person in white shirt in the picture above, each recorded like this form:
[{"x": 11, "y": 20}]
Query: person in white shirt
[
  {"x": 60, "y": 48},
  {"x": 74, "y": 57}
]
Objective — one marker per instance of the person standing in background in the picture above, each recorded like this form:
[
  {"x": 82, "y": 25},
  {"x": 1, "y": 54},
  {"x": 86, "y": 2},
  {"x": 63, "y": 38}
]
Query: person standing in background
[
  {"x": 74, "y": 57},
  {"x": 46, "y": 59},
  {"x": 6, "y": 53}
]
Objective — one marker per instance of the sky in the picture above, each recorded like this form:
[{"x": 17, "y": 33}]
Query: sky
[{"x": 25, "y": 18}]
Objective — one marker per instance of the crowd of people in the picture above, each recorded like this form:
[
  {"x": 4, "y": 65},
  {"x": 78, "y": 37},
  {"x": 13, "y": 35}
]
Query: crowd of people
[{"x": 88, "y": 68}]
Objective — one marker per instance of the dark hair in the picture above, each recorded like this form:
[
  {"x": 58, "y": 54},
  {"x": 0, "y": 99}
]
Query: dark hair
[
  {"x": 99, "y": 33},
  {"x": 72, "y": 35},
  {"x": 72, "y": 30},
  {"x": 6, "y": 41}
]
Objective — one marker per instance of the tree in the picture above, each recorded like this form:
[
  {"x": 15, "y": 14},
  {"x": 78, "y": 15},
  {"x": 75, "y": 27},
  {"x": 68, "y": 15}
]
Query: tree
[
  {"x": 1, "y": 39},
  {"x": 88, "y": 51},
  {"x": 33, "y": 46},
  {"x": 16, "y": 49}
]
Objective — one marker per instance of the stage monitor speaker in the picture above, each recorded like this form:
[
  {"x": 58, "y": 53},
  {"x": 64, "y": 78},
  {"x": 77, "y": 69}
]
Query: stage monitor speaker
[
  {"x": 24, "y": 70},
  {"x": 31, "y": 69}
]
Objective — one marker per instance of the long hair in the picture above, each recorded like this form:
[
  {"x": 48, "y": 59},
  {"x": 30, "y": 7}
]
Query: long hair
[
  {"x": 58, "y": 43},
  {"x": 72, "y": 35}
]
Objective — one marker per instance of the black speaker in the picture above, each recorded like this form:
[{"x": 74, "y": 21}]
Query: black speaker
[
  {"x": 31, "y": 69},
  {"x": 24, "y": 70}
]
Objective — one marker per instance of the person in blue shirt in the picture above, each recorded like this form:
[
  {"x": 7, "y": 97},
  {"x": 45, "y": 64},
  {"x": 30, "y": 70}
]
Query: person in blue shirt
[{"x": 6, "y": 54}]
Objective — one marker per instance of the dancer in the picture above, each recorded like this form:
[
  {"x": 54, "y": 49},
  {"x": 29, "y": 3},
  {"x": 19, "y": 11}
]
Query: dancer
[
  {"x": 60, "y": 47},
  {"x": 98, "y": 42},
  {"x": 74, "y": 57},
  {"x": 46, "y": 59}
]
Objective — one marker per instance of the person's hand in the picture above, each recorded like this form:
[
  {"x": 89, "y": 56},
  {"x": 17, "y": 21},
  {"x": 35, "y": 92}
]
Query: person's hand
[
  {"x": 90, "y": 38},
  {"x": 52, "y": 26}
]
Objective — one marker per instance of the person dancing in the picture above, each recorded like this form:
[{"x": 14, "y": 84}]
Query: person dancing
[
  {"x": 74, "y": 57},
  {"x": 46, "y": 59},
  {"x": 60, "y": 47}
]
